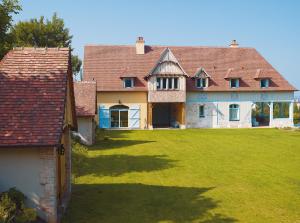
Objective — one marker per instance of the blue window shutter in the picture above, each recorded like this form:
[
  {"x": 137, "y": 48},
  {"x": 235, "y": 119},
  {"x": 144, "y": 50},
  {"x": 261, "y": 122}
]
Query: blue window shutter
[
  {"x": 134, "y": 116},
  {"x": 104, "y": 119}
]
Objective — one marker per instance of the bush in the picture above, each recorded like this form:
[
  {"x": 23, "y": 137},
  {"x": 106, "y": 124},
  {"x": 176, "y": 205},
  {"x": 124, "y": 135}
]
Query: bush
[{"x": 12, "y": 208}]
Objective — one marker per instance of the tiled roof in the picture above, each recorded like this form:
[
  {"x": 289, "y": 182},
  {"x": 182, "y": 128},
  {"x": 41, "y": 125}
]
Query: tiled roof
[
  {"x": 33, "y": 84},
  {"x": 105, "y": 64},
  {"x": 85, "y": 98}
]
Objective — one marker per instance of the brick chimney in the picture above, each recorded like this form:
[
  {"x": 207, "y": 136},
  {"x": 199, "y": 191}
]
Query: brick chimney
[
  {"x": 140, "y": 45},
  {"x": 234, "y": 44}
]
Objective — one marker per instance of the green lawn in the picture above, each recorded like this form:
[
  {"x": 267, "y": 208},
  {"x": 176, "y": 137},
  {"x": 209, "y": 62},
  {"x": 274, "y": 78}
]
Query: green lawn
[{"x": 221, "y": 175}]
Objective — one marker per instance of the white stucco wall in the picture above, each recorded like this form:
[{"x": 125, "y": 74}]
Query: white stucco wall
[
  {"x": 86, "y": 129},
  {"x": 217, "y": 108},
  {"x": 33, "y": 172}
]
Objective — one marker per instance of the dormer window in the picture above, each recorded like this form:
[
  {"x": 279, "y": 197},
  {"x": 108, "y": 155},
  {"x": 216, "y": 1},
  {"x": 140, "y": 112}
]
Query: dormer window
[
  {"x": 201, "y": 78},
  {"x": 264, "y": 83},
  {"x": 234, "y": 83},
  {"x": 128, "y": 82},
  {"x": 201, "y": 82}
]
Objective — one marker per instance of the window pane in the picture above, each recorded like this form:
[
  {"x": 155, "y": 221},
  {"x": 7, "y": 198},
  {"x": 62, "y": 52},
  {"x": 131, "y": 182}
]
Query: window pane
[
  {"x": 170, "y": 83},
  {"x": 201, "y": 111},
  {"x": 123, "y": 118},
  {"x": 203, "y": 82},
  {"x": 198, "y": 83},
  {"x": 176, "y": 83},
  {"x": 114, "y": 119},
  {"x": 281, "y": 109},
  {"x": 234, "y": 112},
  {"x": 128, "y": 83},
  {"x": 164, "y": 83},
  {"x": 234, "y": 83},
  {"x": 158, "y": 83},
  {"x": 264, "y": 83}
]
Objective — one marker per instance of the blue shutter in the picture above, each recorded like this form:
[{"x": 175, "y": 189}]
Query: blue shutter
[
  {"x": 104, "y": 119},
  {"x": 134, "y": 116}
]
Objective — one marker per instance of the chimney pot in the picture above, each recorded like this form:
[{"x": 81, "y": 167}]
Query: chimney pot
[
  {"x": 140, "y": 45},
  {"x": 234, "y": 44}
]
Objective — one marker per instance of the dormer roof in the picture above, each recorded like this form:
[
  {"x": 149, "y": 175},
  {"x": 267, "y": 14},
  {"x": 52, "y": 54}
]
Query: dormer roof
[
  {"x": 167, "y": 65},
  {"x": 201, "y": 73}
]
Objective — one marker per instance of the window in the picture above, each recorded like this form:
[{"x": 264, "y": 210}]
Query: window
[
  {"x": 234, "y": 112},
  {"x": 281, "y": 109},
  {"x": 175, "y": 83},
  {"x": 119, "y": 116},
  {"x": 158, "y": 83},
  {"x": 201, "y": 82},
  {"x": 201, "y": 111},
  {"x": 164, "y": 85},
  {"x": 234, "y": 83},
  {"x": 264, "y": 83},
  {"x": 128, "y": 82},
  {"x": 167, "y": 83},
  {"x": 170, "y": 83}
]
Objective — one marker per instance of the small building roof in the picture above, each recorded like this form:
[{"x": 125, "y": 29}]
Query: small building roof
[
  {"x": 85, "y": 98},
  {"x": 33, "y": 93}
]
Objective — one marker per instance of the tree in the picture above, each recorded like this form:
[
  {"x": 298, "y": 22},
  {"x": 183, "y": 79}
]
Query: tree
[
  {"x": 45, "y": 33},
  {"x": 7, "y": 9}
]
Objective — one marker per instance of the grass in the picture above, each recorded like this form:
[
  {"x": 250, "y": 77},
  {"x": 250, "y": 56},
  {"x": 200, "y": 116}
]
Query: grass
[{"x": 203, "y": 176}]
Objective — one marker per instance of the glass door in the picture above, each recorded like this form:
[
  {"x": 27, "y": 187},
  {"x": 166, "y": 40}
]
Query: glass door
[
  {"x": 119, "y": 118},
  {"x": 114, "y": 119}
]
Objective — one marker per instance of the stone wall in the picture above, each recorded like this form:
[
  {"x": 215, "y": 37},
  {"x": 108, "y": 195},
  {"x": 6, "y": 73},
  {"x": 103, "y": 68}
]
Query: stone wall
[
  {"x": 32, "y": 171},
  {"x": 217, "y": 108},
  {"x": 48, "y": 201}
]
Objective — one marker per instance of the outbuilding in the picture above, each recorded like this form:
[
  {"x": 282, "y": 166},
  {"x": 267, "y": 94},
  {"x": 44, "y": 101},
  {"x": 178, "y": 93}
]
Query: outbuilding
[{"x": 37, "y": 113}]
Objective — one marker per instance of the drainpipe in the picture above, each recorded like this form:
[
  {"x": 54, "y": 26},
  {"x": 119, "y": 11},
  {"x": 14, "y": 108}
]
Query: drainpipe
[
  {"x": 291, "y": 113},
  {"x": 271, "y": 114}
]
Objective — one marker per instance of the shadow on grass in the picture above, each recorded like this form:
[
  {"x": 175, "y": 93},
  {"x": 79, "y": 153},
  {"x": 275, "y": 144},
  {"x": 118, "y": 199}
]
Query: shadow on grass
[
  {"x": 135, "y": 203},
  {"x": 116, "y": 144},
  {"x": 116, "y": 165}
]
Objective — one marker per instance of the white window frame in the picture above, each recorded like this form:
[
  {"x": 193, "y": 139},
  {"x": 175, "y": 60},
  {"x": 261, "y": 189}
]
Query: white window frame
[
  {"x": 167, "y": 80},
  {"x": 131, "y": 80},
  {"x": 238, "y": 112},
  {"x": 267, "y": 83},
  {"x": 201, "y": 82},
  {"x": 237, "y": 82},
  {"x": 201, "y": 115}
]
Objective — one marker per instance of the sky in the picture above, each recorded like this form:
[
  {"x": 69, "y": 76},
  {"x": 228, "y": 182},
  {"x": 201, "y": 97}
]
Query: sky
[{"x": 272, "y": 27}]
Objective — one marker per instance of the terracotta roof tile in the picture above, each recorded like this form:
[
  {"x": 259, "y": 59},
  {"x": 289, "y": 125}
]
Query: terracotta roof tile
[
  {"x": 85, "y": 98},
  {"x": 33, "y": 86},
  {"x": 106, "y": 64}
]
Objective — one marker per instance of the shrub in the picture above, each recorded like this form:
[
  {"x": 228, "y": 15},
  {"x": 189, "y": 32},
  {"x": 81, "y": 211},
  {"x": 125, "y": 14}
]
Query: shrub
[{"x": 12, "y": 208}]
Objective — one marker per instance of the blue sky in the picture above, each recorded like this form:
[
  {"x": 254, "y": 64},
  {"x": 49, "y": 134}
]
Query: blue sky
[{"x": 272, "y": 27}]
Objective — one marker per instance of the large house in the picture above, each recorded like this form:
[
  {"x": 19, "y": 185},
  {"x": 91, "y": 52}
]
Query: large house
[
  {"x": 37, "y": 113},
  {"x": 147, "y": 87}
]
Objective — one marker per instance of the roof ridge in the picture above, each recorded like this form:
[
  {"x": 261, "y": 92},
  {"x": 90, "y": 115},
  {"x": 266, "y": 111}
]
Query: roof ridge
[
  {"x": 40, "y": 48},
  {"x": 166, "y": 46}
]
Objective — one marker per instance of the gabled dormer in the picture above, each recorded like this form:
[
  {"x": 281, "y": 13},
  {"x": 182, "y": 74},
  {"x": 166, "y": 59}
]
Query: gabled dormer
[
  {"x": 167, "y": 75},
  {"x": 233, "y": 76},
  {"x": 201, "y": 78}
]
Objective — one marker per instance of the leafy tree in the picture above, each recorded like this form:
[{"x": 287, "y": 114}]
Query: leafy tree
[
  {"x": 7, "y": 9},
  {"x": 45, "y": 33}
]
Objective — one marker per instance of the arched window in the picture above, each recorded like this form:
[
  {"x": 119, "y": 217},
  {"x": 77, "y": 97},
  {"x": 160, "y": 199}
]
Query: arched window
[
  {"x": 234, "y": 112},
  {"x": 119, "y": 116}
]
